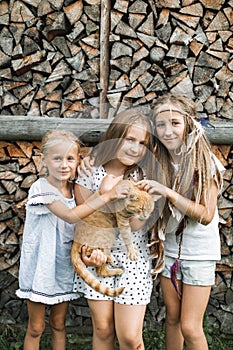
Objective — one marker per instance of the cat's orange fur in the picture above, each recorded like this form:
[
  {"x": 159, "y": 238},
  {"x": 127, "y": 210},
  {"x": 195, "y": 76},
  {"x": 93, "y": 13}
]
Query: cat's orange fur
[{"x": 98, "y": 231}]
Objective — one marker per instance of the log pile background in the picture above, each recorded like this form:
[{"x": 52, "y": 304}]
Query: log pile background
[
  {"x": 74, "y": 59},
  {"x": 50, "y": 55}
]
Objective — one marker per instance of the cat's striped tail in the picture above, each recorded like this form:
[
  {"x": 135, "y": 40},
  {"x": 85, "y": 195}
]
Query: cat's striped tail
[{"x": 88, "y": 277}]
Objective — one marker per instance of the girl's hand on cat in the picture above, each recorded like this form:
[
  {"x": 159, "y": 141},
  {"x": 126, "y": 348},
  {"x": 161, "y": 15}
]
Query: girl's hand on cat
[
  {"x": 85, "y": 166},
  {"x": 152, "y": 187},
  {"x": 96, "y": 259},
  {"x": 108, "y": 182},
  {"x": 119, "y": 191}
]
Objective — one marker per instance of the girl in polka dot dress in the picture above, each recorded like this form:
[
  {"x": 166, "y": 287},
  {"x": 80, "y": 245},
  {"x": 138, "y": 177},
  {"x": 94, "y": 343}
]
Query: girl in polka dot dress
[{"x": 125, "y": 150}]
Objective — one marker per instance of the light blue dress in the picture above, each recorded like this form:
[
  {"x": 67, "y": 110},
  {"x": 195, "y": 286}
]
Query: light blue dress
[{"x": 46, "y": 274}]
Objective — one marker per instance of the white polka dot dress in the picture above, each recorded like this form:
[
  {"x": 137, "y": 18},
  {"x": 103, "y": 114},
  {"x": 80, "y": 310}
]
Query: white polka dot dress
[{"x": 136, "y": 277}]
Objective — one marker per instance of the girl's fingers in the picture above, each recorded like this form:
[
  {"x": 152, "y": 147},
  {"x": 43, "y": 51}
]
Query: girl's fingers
[
  {"x": 108, "y": 182},
  {"x": 122, "y": 190},
  {"x": 82, "y": 170},
  {"x": 97, "y": 257},
  {"x": 101, "y": 258},
  {"x": 88, "y": 162},
  {"x": 85, "y": 166}
]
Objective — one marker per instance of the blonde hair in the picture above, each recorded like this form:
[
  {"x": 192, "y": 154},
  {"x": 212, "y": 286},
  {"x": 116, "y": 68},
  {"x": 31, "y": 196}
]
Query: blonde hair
[
  {"x": 116, "y": 133},
  {"x": 195, "y": 174},
  {"x": 54, "y": 137}
]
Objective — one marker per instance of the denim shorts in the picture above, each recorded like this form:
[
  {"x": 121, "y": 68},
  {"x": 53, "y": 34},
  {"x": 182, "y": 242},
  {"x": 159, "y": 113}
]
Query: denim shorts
[{"x": 193, "y": 272}]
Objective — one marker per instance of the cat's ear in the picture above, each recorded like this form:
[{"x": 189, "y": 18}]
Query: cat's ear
[{"x": 156, "y": 197}]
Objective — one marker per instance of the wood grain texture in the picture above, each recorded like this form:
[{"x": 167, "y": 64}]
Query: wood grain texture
[{"x": 14, "y": 128}]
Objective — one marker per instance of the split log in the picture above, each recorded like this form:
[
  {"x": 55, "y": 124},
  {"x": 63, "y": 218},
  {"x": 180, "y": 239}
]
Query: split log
[
  {"x": 57, "y": 57},
  {"x": 130, "y": 33}
]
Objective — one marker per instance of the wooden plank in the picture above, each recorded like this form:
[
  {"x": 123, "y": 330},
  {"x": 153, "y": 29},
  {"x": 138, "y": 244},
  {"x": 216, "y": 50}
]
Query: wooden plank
[
  {"x": 104, "y": 56},
  {"x": 17, "y": 128},
  {"x": 222, "y": 133}
]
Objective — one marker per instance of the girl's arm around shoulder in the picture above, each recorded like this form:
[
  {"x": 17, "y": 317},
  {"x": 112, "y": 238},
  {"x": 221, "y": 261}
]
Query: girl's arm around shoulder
[
  {"x": 94, "y": 202},
  {"x": 195, "y": 211},
  {"x": 85, "y": 166}
]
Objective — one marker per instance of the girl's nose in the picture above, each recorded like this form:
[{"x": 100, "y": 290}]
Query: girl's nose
[
  {"x": 64, "y": 163},
  {"x": 135, "y": 147},
  {"x": 168, "y": 129}
]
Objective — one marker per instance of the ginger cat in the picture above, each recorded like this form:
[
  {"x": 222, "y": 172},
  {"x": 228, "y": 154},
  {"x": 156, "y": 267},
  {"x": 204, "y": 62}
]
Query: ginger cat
[{"x": 98, "y": 231}]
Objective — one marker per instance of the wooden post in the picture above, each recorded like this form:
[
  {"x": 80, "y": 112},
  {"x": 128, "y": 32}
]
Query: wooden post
[{"x": 104, "y": 56}]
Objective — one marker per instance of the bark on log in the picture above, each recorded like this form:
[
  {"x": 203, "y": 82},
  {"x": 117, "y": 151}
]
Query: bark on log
[
  {"x": 104, "y": 56},
  {"x": 88, "y": 130},
  {"x": 50, "y": 71}
]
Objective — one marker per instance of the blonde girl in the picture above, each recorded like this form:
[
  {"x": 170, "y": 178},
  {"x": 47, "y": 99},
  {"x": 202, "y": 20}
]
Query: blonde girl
[
  {"x": 125, "y": 149},
  {"x": 46, "y": 275},
  {"x": 189, "y": 179}
]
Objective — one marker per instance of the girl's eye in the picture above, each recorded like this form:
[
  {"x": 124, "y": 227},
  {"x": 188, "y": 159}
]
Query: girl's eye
[{"x": 160, "y": 125}]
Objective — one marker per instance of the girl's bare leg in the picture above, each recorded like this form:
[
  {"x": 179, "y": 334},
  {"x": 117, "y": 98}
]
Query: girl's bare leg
[
  {"x": 36, "y": 325},
  {"x": 129, "y": 326},
  {"x": 57, "y": 324},
  {"x": 194, "y": 303},
  {"x": 102, "y": 314},
  {"x": 174, "y": 338}
]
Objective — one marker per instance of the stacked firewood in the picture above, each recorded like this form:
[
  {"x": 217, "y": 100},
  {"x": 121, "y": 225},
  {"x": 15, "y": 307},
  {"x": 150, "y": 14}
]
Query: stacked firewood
[
  {"x": 65, "y": 58},
  {"x": 19, "y": 167},
  {"x": 58, "y": 56}
]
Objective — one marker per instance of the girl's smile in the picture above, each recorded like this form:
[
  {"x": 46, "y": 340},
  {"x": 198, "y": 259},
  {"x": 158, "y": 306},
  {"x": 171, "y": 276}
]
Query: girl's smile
[
  {"x": 170, "y": 128},
  {"x": 62, "y": 162},
  {"x": 133, "y": 146}
]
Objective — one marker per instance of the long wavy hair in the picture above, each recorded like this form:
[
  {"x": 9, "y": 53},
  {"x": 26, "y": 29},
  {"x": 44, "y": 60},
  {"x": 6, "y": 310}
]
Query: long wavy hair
[
  {"x": 195, "y": 172},
  {"x": 193, "y": 176}
]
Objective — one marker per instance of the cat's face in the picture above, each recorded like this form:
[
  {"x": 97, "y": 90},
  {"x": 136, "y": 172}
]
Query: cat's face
[
  {"x": 139, "y": 203},
  {"x": 140, "y": 206}
]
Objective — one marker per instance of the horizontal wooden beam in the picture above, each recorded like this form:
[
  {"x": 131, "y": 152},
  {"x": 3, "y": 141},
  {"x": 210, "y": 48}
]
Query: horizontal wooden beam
[
  {"x": 17, "y": 128},
  {"x": 14, "y": 128}
]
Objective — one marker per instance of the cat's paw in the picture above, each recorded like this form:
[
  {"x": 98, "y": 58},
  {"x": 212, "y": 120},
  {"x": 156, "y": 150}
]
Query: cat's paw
[
  {"x": 106, "y": 272},
  {"x": 132, "y": 254},
  {"x": 110, "y": 260}
]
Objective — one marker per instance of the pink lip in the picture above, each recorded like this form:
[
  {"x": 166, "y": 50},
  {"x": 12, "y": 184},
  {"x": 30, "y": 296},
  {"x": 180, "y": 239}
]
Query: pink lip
[{"x": 132, "y": 155}]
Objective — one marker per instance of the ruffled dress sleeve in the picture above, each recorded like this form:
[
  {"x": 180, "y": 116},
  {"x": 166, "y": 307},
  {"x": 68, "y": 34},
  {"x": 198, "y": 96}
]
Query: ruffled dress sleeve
[{"x": 40, "y": 194}]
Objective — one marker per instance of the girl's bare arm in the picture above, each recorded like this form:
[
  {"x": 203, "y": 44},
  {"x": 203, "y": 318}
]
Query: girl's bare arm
[
  {"x": 88, "y": 206},
  {"x": 199, "y": 212}
]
